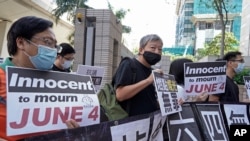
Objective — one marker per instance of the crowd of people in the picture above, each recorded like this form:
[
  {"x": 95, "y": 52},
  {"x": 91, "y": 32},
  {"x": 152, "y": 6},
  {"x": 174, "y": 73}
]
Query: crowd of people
[{"x": 32, "y": 43}]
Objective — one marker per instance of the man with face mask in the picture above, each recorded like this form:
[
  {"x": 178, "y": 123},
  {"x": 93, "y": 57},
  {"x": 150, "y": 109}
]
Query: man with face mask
[
  {"x": 235, "y": 64},
  {"x": 140, "y": 93},
  {"x": 31, "y": 43},
  {"x": 65, "y": 58}
]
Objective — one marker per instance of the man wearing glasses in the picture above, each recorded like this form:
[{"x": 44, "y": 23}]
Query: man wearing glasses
[
  {"x": 235, "y": 64},
  {"x": 65, "y": 58},
  {"x": 31, "y": 43}
]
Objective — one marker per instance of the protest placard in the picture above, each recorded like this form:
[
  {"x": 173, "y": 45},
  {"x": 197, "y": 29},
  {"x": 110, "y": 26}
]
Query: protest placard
[
  {"x": 247, "y": 84},
  {"x": 196, "y": 122},
  {"x": 95, "y": 72},
  {"x": 209, "y": 77},
  {"x": 43, "y": 100},
  {"x": 166, "y": 89}
]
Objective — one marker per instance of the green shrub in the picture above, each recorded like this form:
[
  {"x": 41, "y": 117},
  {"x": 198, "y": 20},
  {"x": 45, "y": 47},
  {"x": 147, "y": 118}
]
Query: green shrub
[{"x": 239, "y": 77}]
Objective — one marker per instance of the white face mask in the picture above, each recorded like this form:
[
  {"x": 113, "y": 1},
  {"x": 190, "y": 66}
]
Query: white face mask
[
  {"x": 67, "y": 64},
  {"x": 239, "y": 68}
]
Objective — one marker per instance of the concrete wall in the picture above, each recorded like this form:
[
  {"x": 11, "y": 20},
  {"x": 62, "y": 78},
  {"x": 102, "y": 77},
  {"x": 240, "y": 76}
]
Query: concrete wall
[{"x": 106, "y": 41}]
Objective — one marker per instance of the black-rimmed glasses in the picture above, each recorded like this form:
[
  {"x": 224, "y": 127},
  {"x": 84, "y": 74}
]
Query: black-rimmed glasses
[{"x": 241, "y": 60}]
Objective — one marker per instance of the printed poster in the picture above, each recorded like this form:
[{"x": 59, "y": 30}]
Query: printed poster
[
  {"x": 146, "y": 127},
  {"x": 183, "y": 125},
  {"x": 166, "y": 89},
  {"x": 209, "y": 77},
  {"x": 95, "y": 72},
  {"x": 236, "y": 114},
  {"x": 43, "y": 100},
  {"x": 212, "y": 122}
]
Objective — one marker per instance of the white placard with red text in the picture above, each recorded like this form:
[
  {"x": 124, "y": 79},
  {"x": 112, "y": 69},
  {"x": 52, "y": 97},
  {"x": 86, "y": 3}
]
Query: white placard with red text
[
  {"x": 95, "y": 72},
  {"x": 42, "y": 101},
  {"x": 209, "y": 77}
]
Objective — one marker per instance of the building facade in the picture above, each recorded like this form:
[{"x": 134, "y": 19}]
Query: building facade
[
  {"x": 245, "y": 28},
  {"x": 198, "y": 24}
]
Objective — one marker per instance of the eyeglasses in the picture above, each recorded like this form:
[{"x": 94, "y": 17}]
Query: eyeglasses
[
  {"x": 47, "y": 41},
  {"x": 69, "y": 59},
  {"x": 58, "y": 48},
  {"x": 241, "y": 60}
]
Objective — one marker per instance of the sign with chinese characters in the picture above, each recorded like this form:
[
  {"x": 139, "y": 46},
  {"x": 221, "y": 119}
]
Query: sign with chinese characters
[
  {"x": 183, "y": 125},
  {"x": 236, "y": 114},
  {"x": 95, "y": 72},
  {"x": 209, "y": 77},
  {"x": 43, "y": 100},
  {"x": 196, "y": 122},
  {"x": 212, "y": 122},
  {"x": 166, "y": 89},
  {"x": 147, "y": 127}
]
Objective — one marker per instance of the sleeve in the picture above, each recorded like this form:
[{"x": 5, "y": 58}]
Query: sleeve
[{"x": 123, "y": 75}]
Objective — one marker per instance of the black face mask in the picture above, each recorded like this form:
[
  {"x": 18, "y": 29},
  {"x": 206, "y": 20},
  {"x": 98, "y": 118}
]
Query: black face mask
[{"x": 151, "y": 58}]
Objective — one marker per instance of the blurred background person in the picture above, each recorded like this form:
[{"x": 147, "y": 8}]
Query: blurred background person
[
  {"x": 177, "y": 69},
  {"x": 65, "y": 58},
  {"x": 235, "y": 64}
]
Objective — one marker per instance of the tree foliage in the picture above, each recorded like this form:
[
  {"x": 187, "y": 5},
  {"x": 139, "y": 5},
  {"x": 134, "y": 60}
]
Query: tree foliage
[
  {"x": 213, "y": 47},
  {"x": 120, "y": 15},
  {"x": 222, "y": 7},
  {"x": 69, "y": 7}
]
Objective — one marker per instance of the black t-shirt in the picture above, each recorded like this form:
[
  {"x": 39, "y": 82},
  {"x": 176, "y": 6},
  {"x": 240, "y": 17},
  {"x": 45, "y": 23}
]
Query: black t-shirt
[
  {"x": 231, "y": 92},
  {"x": 55, "y": 68},
  {"x": 145, "y": 101}
]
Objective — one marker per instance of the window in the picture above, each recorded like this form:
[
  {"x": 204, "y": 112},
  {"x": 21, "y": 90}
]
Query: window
[
  {"x": 188, "y": 30},
  {"x": 188, "y": 13},
  {"x": 187, "y": 22},
  {"x": 189, "y": 5},
  {"x": 202, "y": 25},
  {"x": 209, "y": 25}
]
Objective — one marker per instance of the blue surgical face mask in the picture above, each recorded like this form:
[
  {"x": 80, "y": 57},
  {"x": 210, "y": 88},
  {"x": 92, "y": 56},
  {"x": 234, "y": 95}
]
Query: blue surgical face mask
[
  {"x": 67, "y": 64},
  {"x": 45, "y": 57},
  {"x": 239, "y": 68}
]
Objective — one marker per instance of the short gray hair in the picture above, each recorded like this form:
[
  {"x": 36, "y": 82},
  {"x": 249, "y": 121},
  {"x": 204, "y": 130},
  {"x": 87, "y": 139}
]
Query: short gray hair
[{"x": 148, "y": 38}]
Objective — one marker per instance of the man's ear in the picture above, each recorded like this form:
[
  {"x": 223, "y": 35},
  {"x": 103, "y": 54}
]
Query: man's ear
[
  {"x": 20, "y": 42},
  {"x": 229, "y": 63},
  {"x": 141, "y": 50},
  {"x": 57, "y": 56}
]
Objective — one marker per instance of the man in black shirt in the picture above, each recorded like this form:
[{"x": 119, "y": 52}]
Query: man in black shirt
[
  {"x": 64, "y": 59},
  {"x": 139, "y": 93},
  {"x": 235, "y": 64}
]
